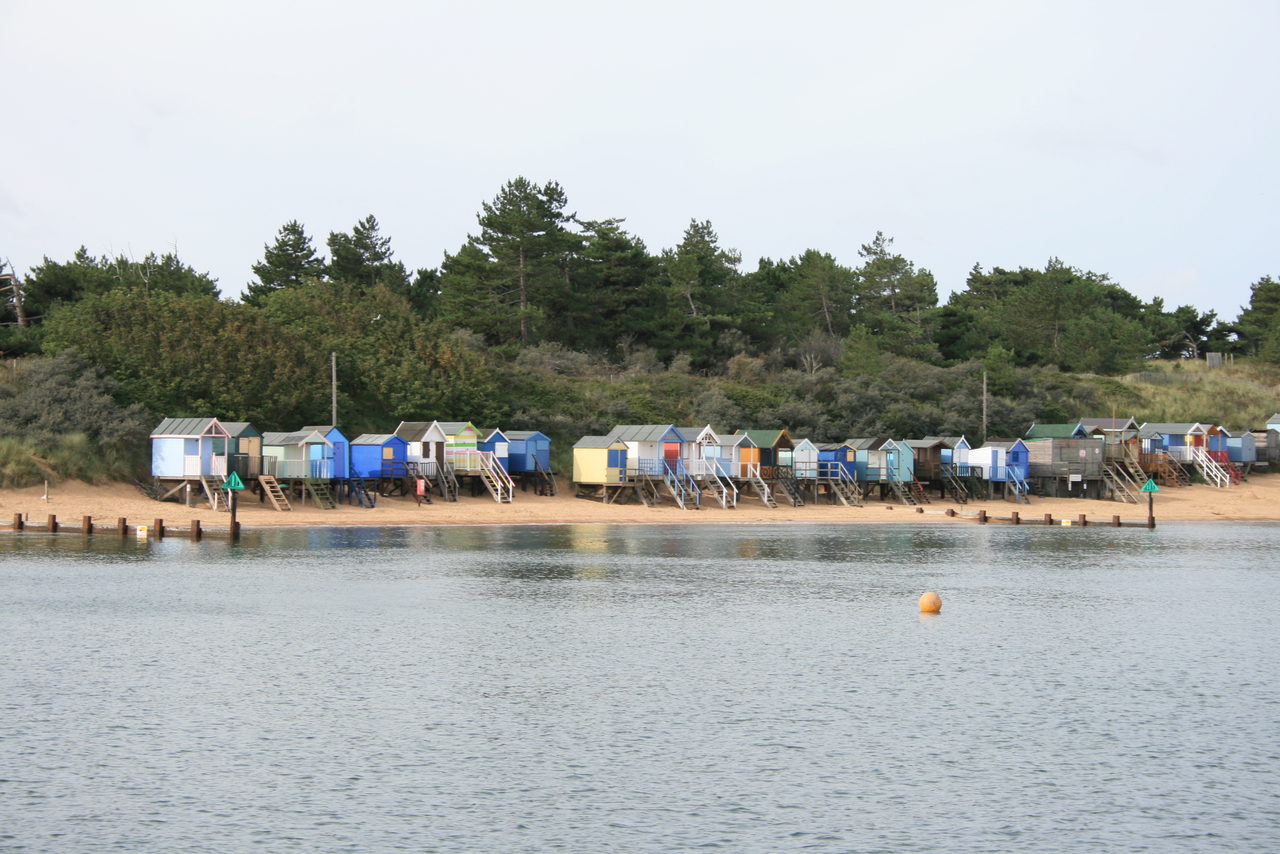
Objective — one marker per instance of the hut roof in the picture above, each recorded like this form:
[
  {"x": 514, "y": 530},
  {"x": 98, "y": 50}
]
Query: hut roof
[
  {"x": 1109, "y": 423},
  {"x": 864, "y": 444},
  {"x": 643, "y": 432},
  {"x": 1274, "y": 419},
  {"x": 525, "y": 434},
  {"x": 1054, "y": 431},
  {"x": 189, "y": 427},
  {"x": 598, "y": 442},
  {"x": 412, "y": 431},
  {"x": 299, "y": 437},
  {"x": 453, "y": 428},
  {"x": 373, "y": 438},
  {"x": 924, "y": 443},
  {"x": 1170, "y": 428},
  {"x": 950, "y": 441},
  {"x": 240, "y": 429},
  {"x": 769, "y": 438}
]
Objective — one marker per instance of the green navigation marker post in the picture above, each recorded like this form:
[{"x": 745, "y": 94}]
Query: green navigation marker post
[
  {"x": 232, "y": 485},
  {"x": 1150, "y": 489}
]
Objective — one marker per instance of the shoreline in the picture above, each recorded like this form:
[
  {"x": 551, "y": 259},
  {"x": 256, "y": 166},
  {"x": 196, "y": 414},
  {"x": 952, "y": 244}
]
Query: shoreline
[{"x": 1255, "y": 500}]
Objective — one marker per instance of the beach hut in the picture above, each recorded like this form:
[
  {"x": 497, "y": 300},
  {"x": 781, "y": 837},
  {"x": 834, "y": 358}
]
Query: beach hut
[
  {"x": 1273, "y": 423},
  {"x": 1006, "y": 462},
  {"x": 776, "y": 449},
  {"x": 496, "y": 442},
  {"x": 927, "y": 456},
  {"x": 599, "y": 461},
  {"x": 652, "y": 449},
  {"x": 869, "y": 458},
  {"x": 426, "y": 441},
  {"x": 528, "y": 451},
  {"x": 741, "y": 456},
  {"x": 189, "y": 449},
  {"x": 244, "y": 449},
  {"x": 702, "y": 451},
  {"x": 301, "y": 455},
  {"x": 804, "y": 460},
  {"x": 955, "y": 453},
  {"x": 1242, "y": 448},
  {"x": 339, "y": 445},
  {"x": 378, "y": 455},
  {"x": 461, "y": 446},
  {"x": 1067, "y": 466}
]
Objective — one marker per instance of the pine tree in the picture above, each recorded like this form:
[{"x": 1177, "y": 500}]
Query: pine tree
[
  {"x": 364, "y": 258},
  {"x": 290, "y": 262}
]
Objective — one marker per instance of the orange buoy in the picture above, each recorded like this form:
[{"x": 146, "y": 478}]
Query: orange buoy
[{"x": 930, "y": 603}]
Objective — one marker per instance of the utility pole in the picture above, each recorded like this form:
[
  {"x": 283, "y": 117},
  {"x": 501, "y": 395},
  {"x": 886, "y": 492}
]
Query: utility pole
[
  {"x": 984, "y": 407},
  {"x": 333, "y": 388}
]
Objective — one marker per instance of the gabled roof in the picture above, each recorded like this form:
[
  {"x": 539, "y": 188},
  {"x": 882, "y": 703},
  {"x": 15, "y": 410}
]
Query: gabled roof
[
  {"x": 735, "y": 440},
  {"x": 453, "y": 428},
  {"x": 805, "y": 441},
  {"x": 926, "y": 443},
  {"x": 413, "y": 431},
  {"x": 1056, "y": 431},
  {"x": 644, "y": 432},
  {"x": 831, "y": 446},
  {"x": 1109, "y": 423},
  {"x": 693, "y": 434},
  {"x": 1004, "y": 444},
  {"x": 526, "y": 434},
  {"x": 864, "y": 444},
  {"x": 769, "y": 438},
  {"x": 188, "y": 427},
  {"x": 487, "y": 433},
  {"x": 1274, "y": 419},
  {"x": 322, "y": 429},
  {"x": 597, "y": 442},
  {"x": 240, "y": 429},
  {"x": 949, "y": 441},
  {"x": 299, "y": 437}
]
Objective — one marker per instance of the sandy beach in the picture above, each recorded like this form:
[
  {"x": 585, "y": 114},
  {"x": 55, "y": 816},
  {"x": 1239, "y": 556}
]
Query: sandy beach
[{"x": 1257, "y": 499}]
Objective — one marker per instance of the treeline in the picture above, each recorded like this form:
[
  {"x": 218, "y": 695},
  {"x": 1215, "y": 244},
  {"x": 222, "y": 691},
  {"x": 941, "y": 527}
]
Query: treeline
[{"x": 548, "y": 320}]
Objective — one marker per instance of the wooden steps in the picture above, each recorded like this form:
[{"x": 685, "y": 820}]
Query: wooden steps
[
  {"x": 319, "y": 491},
  {"x": 271, "y": 489}
]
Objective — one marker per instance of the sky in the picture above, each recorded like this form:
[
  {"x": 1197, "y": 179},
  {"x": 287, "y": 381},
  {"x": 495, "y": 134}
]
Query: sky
[{"x": 1139, "y": 140}]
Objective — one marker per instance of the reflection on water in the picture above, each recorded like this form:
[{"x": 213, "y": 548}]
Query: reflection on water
[{"x": 642, "y": 688}]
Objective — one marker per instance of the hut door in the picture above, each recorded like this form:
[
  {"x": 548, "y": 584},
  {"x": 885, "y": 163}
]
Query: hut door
[{"x": 191, "y": 458}]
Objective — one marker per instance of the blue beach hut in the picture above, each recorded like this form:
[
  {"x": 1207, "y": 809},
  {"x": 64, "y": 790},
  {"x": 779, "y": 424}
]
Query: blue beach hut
[{"x": 378, "y": 455}]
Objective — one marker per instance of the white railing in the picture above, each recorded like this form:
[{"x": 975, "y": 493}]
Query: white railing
[
  {"x": 298, "y": 469},
  {"x": 1210, "y": 468}
]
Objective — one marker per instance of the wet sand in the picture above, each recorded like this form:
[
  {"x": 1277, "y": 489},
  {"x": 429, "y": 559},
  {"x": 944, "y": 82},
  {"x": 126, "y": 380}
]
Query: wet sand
[{"x": 1257, "y": 499}]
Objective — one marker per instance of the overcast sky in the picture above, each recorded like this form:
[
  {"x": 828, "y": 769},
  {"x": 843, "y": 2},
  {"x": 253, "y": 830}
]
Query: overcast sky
[{"x": 1133, "y": 139}]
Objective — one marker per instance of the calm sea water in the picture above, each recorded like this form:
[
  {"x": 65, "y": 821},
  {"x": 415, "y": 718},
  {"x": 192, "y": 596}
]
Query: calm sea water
[{"x": 643, "y": 689}]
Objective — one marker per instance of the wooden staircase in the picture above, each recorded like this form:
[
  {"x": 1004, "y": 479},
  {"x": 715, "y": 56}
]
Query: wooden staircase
[
  {"x": 785, "y": 477},
  {"x": 318, "y": 489},
  {"x": 762, "y": 489},
  {"x": 446, "y": 481},
  {"x": 548, "y": 485},
  {"x": 903, "y": 493},
  {"x": 496, "y": 479},
  {"x": 648, "y": 492},
  {"x": 1121, "y": 483},
  {"x": 214, "y": 493},
  {"x": 953, "y": 486},
  {"x": 844, "y": 488},
  {"x": 271, "y": 489},
  {"x": 358, "y": 493}
]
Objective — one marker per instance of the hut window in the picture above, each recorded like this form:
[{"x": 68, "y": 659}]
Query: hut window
[{"x": 388, "y": 453}]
